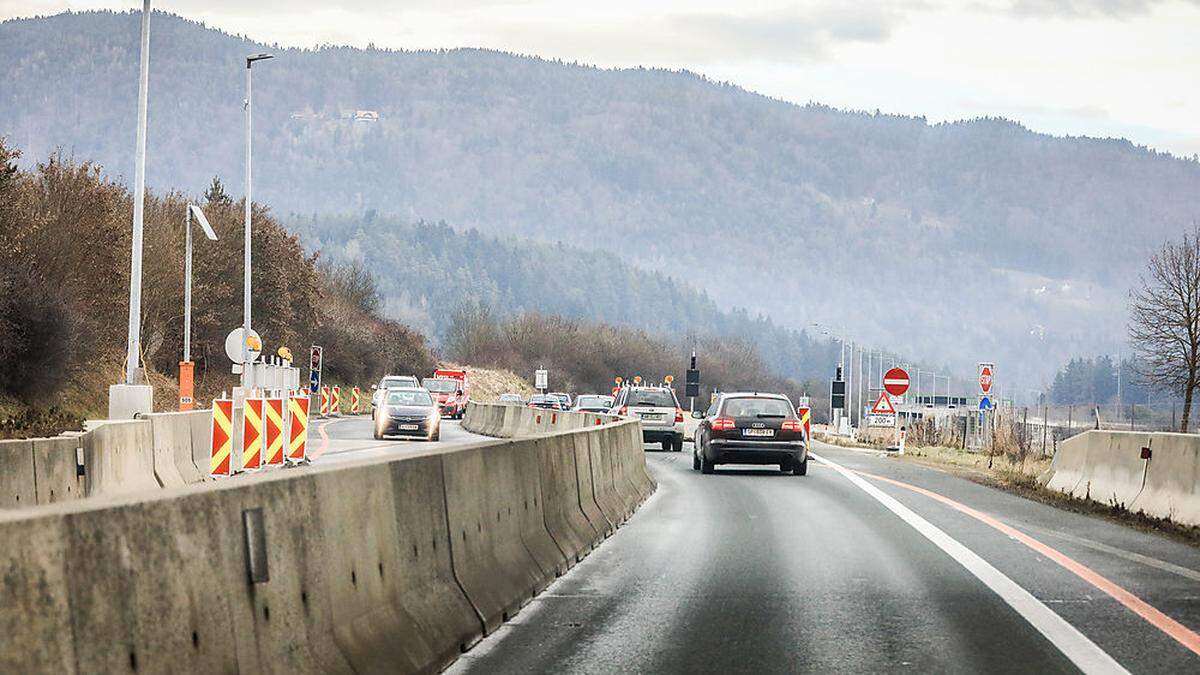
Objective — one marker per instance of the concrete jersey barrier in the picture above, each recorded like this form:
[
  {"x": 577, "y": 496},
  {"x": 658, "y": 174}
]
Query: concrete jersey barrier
[{"x": 1109, "y": 467}]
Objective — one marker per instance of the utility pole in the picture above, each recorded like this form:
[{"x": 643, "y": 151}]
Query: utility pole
[
  {"x": 134, "y": 397},
  {"x": 247, "y": 367}
]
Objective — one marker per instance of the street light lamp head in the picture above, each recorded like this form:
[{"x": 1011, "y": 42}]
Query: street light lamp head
[{"x": 258, "y": 57}]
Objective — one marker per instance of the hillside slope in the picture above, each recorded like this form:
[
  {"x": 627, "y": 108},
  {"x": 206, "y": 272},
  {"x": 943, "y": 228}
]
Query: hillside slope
[{"x": 953, "y": 241}]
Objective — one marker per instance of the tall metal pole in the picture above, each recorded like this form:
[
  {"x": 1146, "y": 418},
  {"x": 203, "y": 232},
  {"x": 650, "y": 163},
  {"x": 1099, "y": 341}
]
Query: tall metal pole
[
  {"x": 247, "y": 371},
  {"x": 187, "y": 285},
  {"x": 139, "y": 193}
]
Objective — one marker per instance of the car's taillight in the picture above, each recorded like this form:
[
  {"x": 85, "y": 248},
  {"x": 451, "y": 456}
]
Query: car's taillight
[
  {"x": 792, "y": 425},
  {"x": 722, "y": 424},
  {"x": 678, "y": 415},
  {"x": 623, "y": 411}
]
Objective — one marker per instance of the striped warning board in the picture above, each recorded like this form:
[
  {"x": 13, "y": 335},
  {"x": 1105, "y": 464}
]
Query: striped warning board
[
  {"x": 806, "y": 421},
  {"x": 335, "y": 404},
  {"x": 355, "y": 401},
  {"x": 298, "y": 433},
  {"x": 222, "y": 437},
  {"x": 274, "y": 427},
  {"x": 252, "y": 434},
  {"x": 324, "y": 401}
]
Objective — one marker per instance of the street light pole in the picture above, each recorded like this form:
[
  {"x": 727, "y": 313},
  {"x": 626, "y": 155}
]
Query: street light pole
[
  {"x": 247, "y": 369},
  {"x": 131, "y": 398},
  {"x": 186, "y": 367}
]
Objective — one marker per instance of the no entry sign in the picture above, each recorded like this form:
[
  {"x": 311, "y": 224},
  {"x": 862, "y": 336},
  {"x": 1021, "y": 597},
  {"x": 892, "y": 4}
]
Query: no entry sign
[{"x": 895, "y": 381}]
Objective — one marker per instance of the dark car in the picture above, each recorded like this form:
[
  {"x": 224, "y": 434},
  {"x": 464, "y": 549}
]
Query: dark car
[
  {"x": 409, "y": 411},
  {"x": 593, "y": 403},
  {"x": 750, "y": 428},
  {"x": 547, "y": 401}
]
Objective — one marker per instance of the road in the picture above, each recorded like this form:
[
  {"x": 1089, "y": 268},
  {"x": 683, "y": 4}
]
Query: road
[
  {"x": 850, "y": 570},
  {"x": 344, "y": 439}
]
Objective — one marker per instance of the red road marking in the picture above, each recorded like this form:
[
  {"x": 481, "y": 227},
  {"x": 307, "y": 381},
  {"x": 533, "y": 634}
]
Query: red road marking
[
  {"x": 324, "y": 437},
  {"x": 1177, "y": 631}
]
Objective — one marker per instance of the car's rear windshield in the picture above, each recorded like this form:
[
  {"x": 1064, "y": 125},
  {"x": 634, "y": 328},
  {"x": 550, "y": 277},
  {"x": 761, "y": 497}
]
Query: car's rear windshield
[
  {"x": 757, "y": 407},
  {"x": 414, "y": 398},
  {"x": 593, "y": 401},
  {"x": 399, "y": 382},
  {"x": 440, "y": 385},
  {"x": 539, "y": 398},
  {"x": 658, "y": 398}
]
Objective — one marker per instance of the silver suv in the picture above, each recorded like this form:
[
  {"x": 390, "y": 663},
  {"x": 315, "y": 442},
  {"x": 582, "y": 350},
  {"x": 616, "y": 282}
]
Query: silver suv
[
  {"x": 391, "y": 382},
  {"x": 659, "y": 411}
]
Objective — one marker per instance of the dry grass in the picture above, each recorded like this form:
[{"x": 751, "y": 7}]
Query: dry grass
[{"x": 487, "y": 384}]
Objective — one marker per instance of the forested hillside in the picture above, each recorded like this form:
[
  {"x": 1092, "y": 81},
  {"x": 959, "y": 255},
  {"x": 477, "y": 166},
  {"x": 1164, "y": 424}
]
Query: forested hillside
[
  {"x": 954, "y": 242},
  {"x": 426, "y": 272}
]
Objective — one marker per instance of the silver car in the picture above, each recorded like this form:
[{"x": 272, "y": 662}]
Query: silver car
[{"x": 659, "y": 411}]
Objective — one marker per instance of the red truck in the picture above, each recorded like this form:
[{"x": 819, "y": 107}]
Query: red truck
[{"x": 451, "y": 390}]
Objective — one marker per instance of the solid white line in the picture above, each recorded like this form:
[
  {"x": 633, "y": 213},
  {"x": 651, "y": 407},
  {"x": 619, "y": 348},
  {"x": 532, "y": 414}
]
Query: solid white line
[{"x": 1081, "y": 651}]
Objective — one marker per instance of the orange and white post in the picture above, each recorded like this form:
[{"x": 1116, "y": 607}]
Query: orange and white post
[
  {"x": 355, "y": 401},
  {"x": 324, "y": 401},
  {"x": 221, "y": 457},
  {"x": 252, "y": 434},
  {"x": 274, "y": 431},
  {"x": 297, "y": 428},
  {"x": 335, "y": 406}
]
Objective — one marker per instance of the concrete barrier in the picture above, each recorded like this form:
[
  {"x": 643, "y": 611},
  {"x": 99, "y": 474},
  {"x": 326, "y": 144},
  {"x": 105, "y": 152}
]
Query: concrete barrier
[
  {"x": 55, "y": 467},
  {"x": 201, "y": 427},
  {"x": 432, "y": 594},
  {"x": 1104, "y": 466},
  {"x": 1068, "y": 468},
  {"x": 1172, "y": 488},
  {"x": 392, "y": 565},
  {"x": 119, "y": 459},
  {"x": 171, "y": 435},
  {"x": 18, "y": 486},
  {"x": 587, "y": 492},
  {"x": 564, "y": 518}
]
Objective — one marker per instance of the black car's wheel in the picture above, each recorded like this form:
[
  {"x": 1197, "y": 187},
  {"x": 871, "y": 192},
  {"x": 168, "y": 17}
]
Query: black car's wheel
[
  {"x": 666, "y": 446},
  {"x": 695, "y": 461},
  {"x": 437, "y": 436},
  {"x": 677, "y": 444},
  {"x": 378, "y": 436},
  {"x": 705, "y": 465},
  {"x": 800, "y": 468}
]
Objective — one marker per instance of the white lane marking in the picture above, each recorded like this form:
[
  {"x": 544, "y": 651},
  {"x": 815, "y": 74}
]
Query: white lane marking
[{"x": 1081, "y": 651}]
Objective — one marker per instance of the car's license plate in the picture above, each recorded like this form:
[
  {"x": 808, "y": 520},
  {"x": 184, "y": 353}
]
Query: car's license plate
[
  {"x": 652, "y": 416},
  {"x": 758, "y": 432},
  {"x": 408, "y": 427}
]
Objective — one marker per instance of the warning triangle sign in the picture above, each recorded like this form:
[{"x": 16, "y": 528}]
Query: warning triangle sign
[{"x": 883, "y": 406}]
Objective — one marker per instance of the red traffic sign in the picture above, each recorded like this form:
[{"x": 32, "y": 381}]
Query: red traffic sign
[
  {"x": 985, "y": 378},
  {"x": 883, "y": 405},
  {"x": 895, "y": 381}
]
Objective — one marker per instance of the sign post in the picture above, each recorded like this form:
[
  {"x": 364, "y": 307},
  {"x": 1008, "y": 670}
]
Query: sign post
[
  {"x": 692, "y": 382},
  {"x": 987, "y": 373},
  {"x": 541, "y": 380},
  {"x": 316, "y": 355}
]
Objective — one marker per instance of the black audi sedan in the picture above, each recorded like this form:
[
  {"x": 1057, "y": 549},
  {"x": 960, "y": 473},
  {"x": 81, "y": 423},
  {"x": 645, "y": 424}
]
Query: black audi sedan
[
  {"x": 750, "y": 428},
  {"x": 408, "y": 411}
]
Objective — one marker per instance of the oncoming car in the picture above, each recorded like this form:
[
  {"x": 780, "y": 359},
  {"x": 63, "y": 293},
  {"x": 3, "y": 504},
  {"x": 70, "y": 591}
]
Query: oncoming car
[
  {"x": 750, "y": 428},
  {"x": 410, "y": 411},
  {"x": 659, "y": 411}
]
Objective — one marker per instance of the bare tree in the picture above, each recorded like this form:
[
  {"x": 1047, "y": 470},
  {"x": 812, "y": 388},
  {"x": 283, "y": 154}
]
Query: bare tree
[{"x": 1164, "y": 319}]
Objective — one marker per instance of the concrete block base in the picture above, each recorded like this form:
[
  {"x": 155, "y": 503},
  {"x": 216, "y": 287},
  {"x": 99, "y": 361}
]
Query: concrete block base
[{"x": 126, "y": 401}]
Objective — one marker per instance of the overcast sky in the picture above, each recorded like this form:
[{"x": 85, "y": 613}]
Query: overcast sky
[{"x": 1081, "y": 67}]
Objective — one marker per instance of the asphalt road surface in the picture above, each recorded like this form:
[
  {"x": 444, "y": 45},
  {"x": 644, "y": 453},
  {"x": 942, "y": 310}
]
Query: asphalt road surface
[
  {"x": 350, "y": 438},
  {"x": 851, "y": 569}
]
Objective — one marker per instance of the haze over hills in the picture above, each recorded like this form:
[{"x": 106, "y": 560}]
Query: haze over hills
[{"x": 950, "y": 242}]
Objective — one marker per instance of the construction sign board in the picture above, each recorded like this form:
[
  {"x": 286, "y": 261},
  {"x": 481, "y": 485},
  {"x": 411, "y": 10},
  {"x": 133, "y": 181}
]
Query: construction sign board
[{"x": 883, "y": 413}]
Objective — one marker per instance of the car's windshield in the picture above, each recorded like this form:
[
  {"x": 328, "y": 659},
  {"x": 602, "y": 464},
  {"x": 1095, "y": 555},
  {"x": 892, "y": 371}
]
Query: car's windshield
[
  {"x": 757, "y": 407},
  {"x": 440, "y": 385},
  {"x": 409, "y": 397},
  {"x": 657, "y": 398}
]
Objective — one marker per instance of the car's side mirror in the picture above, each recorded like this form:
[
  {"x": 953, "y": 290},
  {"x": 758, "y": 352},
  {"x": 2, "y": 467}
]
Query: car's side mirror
[{"x": 698, "y": 414}]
